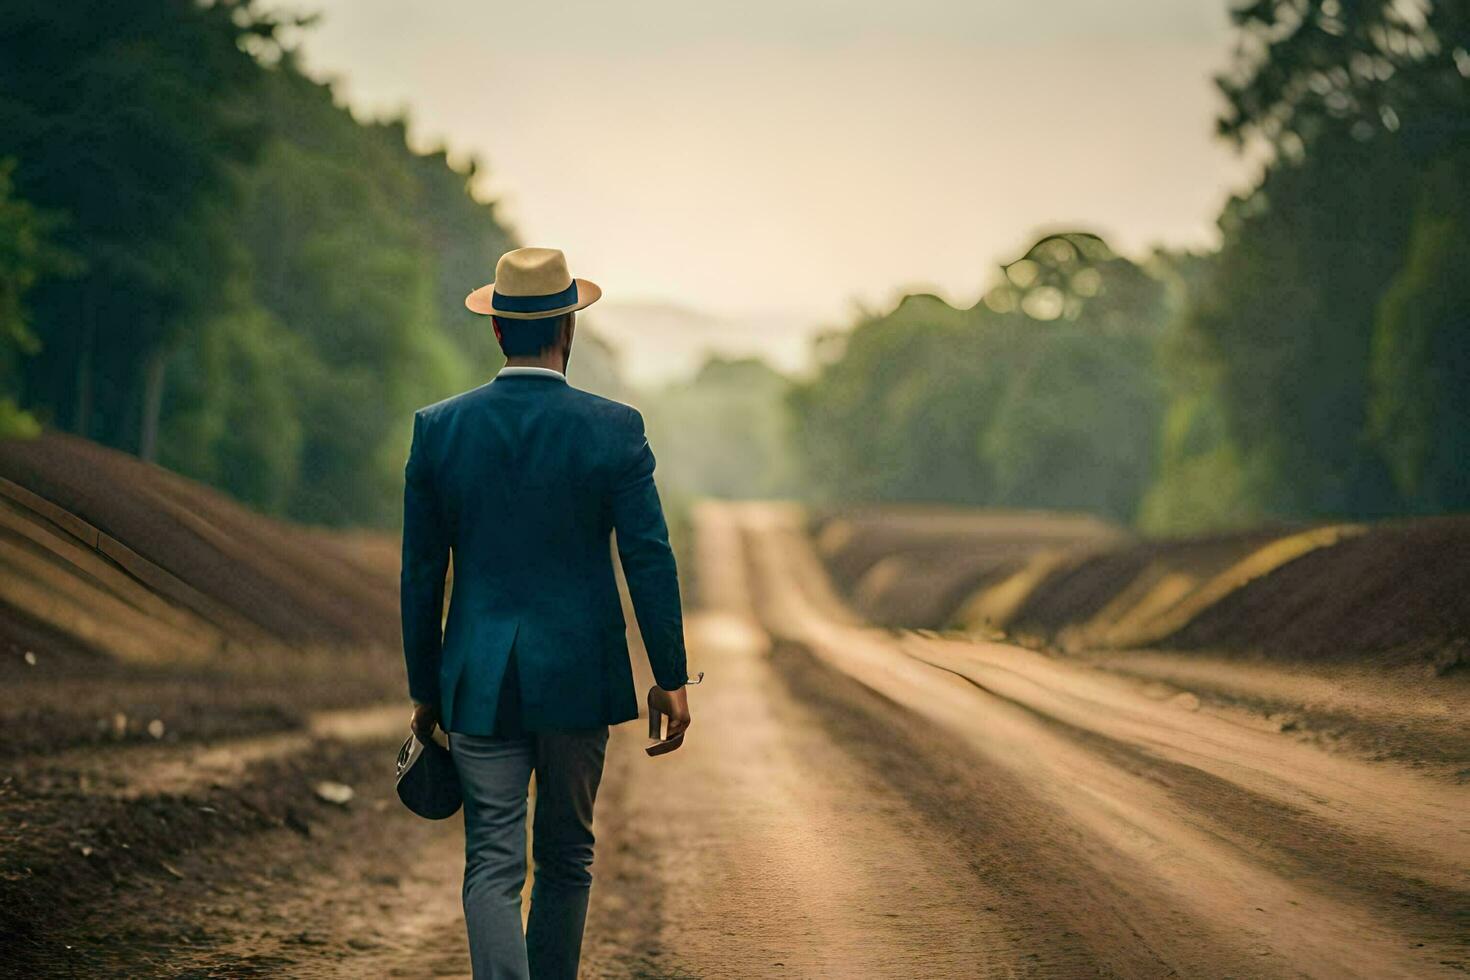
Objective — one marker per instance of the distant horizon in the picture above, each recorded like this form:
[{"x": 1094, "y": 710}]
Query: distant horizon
[
  {"x": 771, "y": 163},
  {"x": 659, "y": 341}
]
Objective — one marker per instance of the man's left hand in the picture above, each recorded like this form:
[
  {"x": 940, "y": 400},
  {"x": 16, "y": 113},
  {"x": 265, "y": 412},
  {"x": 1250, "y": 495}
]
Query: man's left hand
[{"x": 425, "y": 719}]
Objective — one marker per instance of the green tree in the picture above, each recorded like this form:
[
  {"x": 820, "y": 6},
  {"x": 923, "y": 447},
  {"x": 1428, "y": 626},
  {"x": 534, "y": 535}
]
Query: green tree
[
  {"x": 1421, "y": 350},
  {"x": 895, "y": 416},
  {"x": 1201, "y": 480},
  {"x": 1290, "y": 404},
  {"x": 233, "y": 417},
  {"x": 1045, "y": 395},
  {"x": 131, "y": 120},
  {"x": 724, "y": 432},
  {"x": 464, "y": 236},
  {"x": 337, "y": 261},
  {"x": 272, "y": 285},
  {"x": 1368, "y": 69},
  {"x": 1287, "y": 312},
  {"x": 26, "y": 255}
]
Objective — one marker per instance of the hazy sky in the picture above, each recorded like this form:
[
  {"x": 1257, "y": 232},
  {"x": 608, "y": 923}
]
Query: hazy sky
[{"x": 779, "y": 159}]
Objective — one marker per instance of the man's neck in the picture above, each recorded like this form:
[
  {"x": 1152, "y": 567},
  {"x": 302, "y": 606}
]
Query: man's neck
[{"x": 552, "y": 361}]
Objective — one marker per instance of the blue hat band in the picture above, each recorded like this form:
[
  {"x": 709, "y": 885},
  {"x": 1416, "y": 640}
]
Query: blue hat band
[{"x": 536, "y": 304}]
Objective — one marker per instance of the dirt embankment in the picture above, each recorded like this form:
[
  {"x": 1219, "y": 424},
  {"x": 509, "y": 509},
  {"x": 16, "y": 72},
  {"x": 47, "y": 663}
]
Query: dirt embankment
[
  {"x": 913, "y": 566},
  {"x": 1135, "y": 827},
  {"x": 1399, "y": 593},
  {"x": 181, "y": 676},
  {"x": 130, "y": 595},
  {"x": 1390, "y": 594},
  {"x": 295, "y": 584}
]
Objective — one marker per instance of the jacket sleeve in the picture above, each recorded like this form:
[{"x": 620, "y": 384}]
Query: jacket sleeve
[
  {"x": 421, "y": 582},
  {"x": 648, "y": 560}
]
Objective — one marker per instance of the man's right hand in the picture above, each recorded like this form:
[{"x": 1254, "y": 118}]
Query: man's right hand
[
  {"x": 678, "y": 711},
  {"x": 425, "y": 718}
]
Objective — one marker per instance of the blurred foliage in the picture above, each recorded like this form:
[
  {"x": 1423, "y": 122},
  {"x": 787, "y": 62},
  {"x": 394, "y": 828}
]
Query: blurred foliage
[
  {"x": 1046, "y": 394},
  {"x": 1324, "y": 345},
  {"x": 1284, "y": 322},
  {"x": 1420, "y": 361},
  {"x": 342, "y": 307},
  {"x": 271, "y": 286},
  {"x": 1307, "y": 70},
  {"x": 26, "y": 256},
  {"x": 1317, "y": 365},
  {"x": 204, "y": 258},
  {"x": 594, "y": 365},
  {"x": 723, "y": 433},
  {"x": 132, "y": 121}
]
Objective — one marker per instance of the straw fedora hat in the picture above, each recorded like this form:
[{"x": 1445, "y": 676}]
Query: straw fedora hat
[{"x": 531, "y": 283}]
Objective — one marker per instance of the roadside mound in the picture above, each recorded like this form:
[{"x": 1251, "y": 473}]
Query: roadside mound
[
  {"x": 912, "y": 566},
  {"x": 1399, "y": 593},
  {"x": 182, "y": 674},
  {"x": 1395, "y": 593},
  {"x": 101, "y": 551}
]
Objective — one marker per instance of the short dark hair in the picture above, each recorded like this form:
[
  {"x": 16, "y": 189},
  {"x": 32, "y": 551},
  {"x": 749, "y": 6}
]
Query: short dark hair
[{"x": 523, "y": 338}]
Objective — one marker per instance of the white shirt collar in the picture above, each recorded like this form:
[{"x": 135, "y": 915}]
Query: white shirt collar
[{"x": 512, "y": 371}]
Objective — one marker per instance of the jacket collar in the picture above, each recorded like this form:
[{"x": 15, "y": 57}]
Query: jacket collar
[{"x": 531, "y": 372}]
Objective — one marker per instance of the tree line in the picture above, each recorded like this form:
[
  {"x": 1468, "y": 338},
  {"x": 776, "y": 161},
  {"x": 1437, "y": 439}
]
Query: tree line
[
  {"x": 1316, "y": 365},
  {"x": 207, "y": 260}
]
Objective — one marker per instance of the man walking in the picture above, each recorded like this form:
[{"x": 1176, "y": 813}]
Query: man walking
[{"x": 522, "y": 480}]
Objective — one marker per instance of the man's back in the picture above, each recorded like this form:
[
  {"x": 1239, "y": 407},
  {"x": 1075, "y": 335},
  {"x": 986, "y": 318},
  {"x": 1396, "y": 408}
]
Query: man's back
[{"x": 522, "y": 480}]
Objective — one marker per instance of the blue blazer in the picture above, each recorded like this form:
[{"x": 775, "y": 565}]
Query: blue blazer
[{"x": 522, "y": 480}]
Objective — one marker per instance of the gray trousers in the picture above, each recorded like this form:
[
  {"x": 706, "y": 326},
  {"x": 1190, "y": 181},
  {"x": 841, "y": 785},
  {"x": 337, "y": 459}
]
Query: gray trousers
[{"x": 494, "y": 773}]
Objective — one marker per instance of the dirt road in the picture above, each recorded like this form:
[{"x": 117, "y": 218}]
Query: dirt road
[
  {"x": 852, "y": 802},
  {"x": 860, "y": 803}
]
